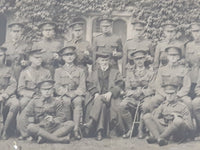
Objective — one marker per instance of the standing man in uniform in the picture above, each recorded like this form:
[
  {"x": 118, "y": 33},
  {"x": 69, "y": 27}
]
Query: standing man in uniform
[
  {"x": 107, "y": 41},
  {"x": 138, "y": 89},
  {"x": 169, "y": 32},
  {"x": 46, "y": 116},
  {"x": 50, "y": 44},
  {"x": 17, "y": 48},
  {"x": 171, "y": 119},
  {"x": 70, "y": 85},
  {"x": 192, "y": 55},
  {"x": 137, "y": 41},
  {"x": 8, "y": 99},
  {"x": 103, "y": 87},
  {"x": 28, "y": 80},
  {"x": 83, "y": 48}
]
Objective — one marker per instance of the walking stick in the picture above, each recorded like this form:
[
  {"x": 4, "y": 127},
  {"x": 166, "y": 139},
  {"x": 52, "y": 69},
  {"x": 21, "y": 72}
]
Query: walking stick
[
  {"x": 134, "y": 120},
  {"x": 1, "y": 118}
]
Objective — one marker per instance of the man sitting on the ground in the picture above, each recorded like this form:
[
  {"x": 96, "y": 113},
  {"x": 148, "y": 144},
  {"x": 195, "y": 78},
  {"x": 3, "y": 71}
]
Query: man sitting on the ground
[
  {"x": 172, "y": 119},
  {"x": 47, "y": 120}
]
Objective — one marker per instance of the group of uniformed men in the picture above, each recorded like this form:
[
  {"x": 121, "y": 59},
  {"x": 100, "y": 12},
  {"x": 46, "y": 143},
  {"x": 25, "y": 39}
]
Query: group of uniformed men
[{"x": 53, "y": 90}]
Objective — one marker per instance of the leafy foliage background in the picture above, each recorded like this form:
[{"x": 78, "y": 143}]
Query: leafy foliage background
[{"x": 155, "y": 12}]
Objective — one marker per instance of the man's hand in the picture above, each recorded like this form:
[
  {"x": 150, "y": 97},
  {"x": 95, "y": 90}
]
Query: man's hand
[
  {"x": 86, "y": 52},
  {"x": 108, "y": 96},
  {"x": 115, "y": 53},
  {"x": 2, "y": 98},
  {"x": 49, "y": 119},
  {"x": 130, "y": 93},
  {"x": 96, "y": 95},
  {"x": 24, "y": 63},
  {"x": 55, "y": 56}
]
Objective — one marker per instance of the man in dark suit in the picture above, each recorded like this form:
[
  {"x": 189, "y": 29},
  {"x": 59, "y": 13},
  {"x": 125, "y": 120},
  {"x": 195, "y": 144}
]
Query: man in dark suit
[{"x": 102, "y": 84}]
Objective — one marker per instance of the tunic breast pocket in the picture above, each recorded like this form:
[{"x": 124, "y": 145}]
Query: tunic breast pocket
[
  {"x": 100, "y": 46},
  {"x": 76, "y": 79}
]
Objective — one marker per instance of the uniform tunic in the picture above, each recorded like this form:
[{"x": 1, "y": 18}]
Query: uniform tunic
[
  {"x": 133, "y": 44},
  {"x": 16, "y": 52},
  {"x": 39, "y": 108},
  {"x": 28, "y": 80},
  {"x": 173, "y": 72},
  {"x": 161, "y": 55},
  {"x": 192, "y": 55},
  {"x": 50, "y": 48},
  {"x": 8, "y": 86},
  {"x": 108, "y": 43}
]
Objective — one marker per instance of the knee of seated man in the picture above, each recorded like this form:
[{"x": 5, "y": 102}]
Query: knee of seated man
[
  {"x": 78, "y": 101},
  {"x": 33, "y": 128},
  {"x": 66, "y": 100},
  {"x": 187, "y": 100},
  {"x": 15, "y": 105},
  {"x": 146, "y": 107},
  {"x": 147, "y": 116},
  {"x": 196, "y": 103},
  {"x": 123, "y": 105},
  {"x": 69, "y": 123},
  {"x": 178, "y": 122}
]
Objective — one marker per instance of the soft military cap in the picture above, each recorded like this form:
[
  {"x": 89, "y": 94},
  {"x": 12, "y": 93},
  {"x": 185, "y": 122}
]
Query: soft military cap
[
  {"x": 173, "y": 50},
  {"x": 47, "y": 25},
  {"x": 103, "y": 54},
  {"x": 36, "y": 52},
  {"x": 169, "y": 25},
  {"x": 69, "y": 49},
  {"x": 47, "y": 84},
  {"x": 106, "y": 20},
  {"x": 16, "y": 24},
  {"x": 78, "y": 25}
]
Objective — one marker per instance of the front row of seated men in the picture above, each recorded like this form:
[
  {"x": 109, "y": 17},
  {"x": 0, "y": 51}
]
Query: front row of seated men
[{"x": 55, "y": 109}]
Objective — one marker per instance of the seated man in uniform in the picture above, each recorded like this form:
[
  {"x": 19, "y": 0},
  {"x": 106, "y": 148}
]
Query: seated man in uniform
[
  {"x": 28, "y": 80},
  {"x": 138, "y": 80},
  {"x": 196, "y": 106},
  {"x": 174, "y": 68},
  {"x": 172, "y": 119},
  {"x": 70, "y": 85},
  {"x": 8, "y": 98},
  {"x": 103, "y": 86},
  {"x": 46, "y": 116}
]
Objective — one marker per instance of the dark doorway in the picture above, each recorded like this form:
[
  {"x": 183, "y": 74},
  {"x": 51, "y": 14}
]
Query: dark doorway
[{"x": 2, "y": 29}]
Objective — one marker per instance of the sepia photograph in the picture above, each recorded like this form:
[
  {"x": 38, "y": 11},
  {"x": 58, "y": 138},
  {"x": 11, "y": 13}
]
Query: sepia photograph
[{"x": 99, "y": 74}]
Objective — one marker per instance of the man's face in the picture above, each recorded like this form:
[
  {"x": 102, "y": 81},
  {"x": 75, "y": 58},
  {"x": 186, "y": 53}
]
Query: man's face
[
  {"x": 103, "y": 62},
  {"x": 196, "y": 34},
  {"x": 139, "y": 61},
  {"x": 138, "y": 30},
  {"x": 48, "y": 31},
  {"x": 106, "y": 28},
  {"x": 171, "y": 97},
  {"x": 69, "y": 58},
  {"x": 169, "y": 32},
  {"x": 46, "y": 93},
  {"x": 36, "y": 61},
  {"x": 173, "y": 58},
  {"x": 16, "y": 32},
  {"x": 78, "y": 33}
]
